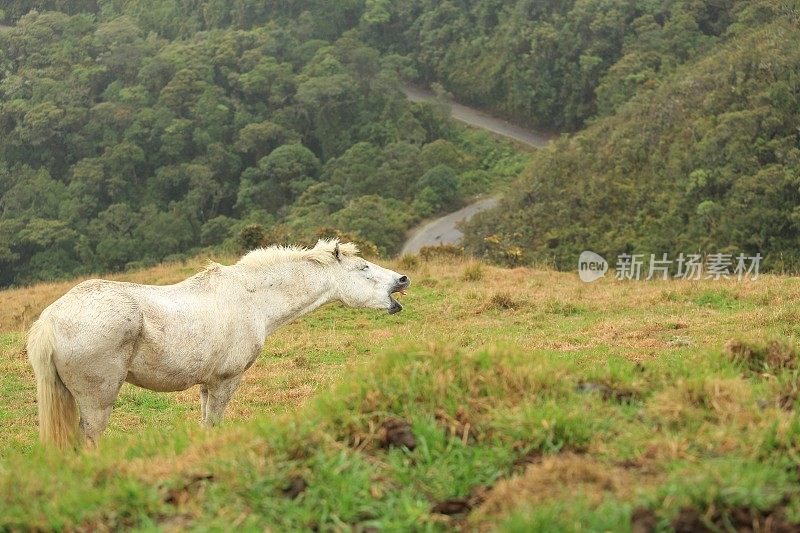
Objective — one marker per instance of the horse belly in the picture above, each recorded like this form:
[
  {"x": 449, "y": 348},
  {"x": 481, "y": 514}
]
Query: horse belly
[
  {"x": 158, "y": 370},
  {"x": 172, "y": 353},
  {"x": 159, "y": 381}
]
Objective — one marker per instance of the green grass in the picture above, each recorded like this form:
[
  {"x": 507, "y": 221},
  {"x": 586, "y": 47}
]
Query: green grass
[{"x": 554, "y": 406}]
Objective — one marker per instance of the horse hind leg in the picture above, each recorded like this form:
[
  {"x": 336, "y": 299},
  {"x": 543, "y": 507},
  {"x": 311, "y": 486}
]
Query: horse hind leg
[
  {"x": 94, "y": 421},
  {"x": 95, "y": 394}
]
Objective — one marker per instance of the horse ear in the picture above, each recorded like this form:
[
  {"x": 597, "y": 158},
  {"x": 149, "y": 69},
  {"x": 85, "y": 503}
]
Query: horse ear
[{"x": 336, "y": 252}]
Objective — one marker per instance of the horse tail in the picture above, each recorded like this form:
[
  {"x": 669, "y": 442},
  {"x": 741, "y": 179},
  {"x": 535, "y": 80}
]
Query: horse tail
[{"x": 58, "y": 414}]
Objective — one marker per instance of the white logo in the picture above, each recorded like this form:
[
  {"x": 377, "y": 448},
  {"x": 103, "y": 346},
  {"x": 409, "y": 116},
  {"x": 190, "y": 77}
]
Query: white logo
[{"x": 591, "y": 266}]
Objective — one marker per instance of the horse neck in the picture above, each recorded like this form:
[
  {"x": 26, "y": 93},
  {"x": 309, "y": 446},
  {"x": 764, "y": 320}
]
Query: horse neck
[{"x": 284, "y": 293}]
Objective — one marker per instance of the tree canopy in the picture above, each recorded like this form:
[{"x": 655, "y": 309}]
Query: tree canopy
[
  {"x": 137, "y": 130},
  {"x": 705, "y": 160},
  {"x": 125, "y": 141}
]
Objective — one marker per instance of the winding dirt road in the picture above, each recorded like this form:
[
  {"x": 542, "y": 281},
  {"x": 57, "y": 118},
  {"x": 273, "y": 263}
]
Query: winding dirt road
[
  {"x": 479, "y": 119},
  {"x": 443, "y": 230}
]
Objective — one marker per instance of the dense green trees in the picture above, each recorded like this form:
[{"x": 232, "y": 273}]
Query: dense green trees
[
  {"x": 132, "y": 130},
  {"x": 120, "y": 147},
  {"x": 706, "y": 160},
  {"x": 552, "y": 63}
]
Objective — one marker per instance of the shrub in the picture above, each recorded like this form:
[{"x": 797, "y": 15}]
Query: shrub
[
  {"x": 215, "y": 230},
  {"x": 409, "y": 262},
  {"x": 251, "y": 237},
  {"x": 442, "y": 251},
  {"x": 502, "y": 300}
]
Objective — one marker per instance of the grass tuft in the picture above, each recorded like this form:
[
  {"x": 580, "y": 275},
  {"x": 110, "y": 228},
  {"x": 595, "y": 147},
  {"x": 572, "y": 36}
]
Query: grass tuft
[
  {"x": 473, "y": 272},
  {"x": 772, "y": 356},
  {"x": 503, "y": 300}
]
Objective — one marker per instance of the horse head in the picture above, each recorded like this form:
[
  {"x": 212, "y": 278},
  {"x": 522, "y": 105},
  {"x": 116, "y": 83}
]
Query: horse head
[{"x": 362, "y": 283}]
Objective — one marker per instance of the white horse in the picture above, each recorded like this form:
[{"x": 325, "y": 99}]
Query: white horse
[{"x": 206, "y": 330}]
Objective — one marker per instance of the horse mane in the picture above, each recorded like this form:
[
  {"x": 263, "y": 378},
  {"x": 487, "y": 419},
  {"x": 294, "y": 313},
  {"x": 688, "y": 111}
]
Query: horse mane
[{"x": 322, "y": 253}]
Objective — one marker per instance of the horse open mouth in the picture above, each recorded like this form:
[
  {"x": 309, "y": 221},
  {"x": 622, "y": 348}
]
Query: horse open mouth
[{"x": 394, "y": 305}]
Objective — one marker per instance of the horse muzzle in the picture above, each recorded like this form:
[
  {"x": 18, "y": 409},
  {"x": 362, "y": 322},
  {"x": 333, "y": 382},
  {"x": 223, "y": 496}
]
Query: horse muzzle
[{"x": 402, "y": 284}]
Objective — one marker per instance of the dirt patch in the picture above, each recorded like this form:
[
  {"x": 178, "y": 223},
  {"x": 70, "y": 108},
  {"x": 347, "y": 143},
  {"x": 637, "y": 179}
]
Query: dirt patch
[
  {"x": 296, "y": 486},
  {"x": 531, "y": 458},
  {"x": 760, "y": 358},
  {"x": 461, "y": 506},
  {"x": 643, "y": 520},
  {"x": 690, "y": 520},
  {"x": 396, "y": 432},
  {"x": 452, "y": 507},
  {"x": 608, "y": 392}
]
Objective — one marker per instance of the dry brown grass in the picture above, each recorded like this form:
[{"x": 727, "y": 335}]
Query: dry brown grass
[
  {"x": 559, "y": 477},
  {"x": 726, "y": 399},
  {"x": 772, "y": 356}
]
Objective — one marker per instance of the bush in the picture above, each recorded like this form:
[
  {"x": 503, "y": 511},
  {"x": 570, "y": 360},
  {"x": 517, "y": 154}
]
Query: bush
[
  {"x": 251, "y": 237},
  {"x": 439, "y": 187},
  {"x": 502, "y": 300},
  {"x": 376, "y": 220},
  {"x": 409, "y": 262},
  {"x": 443, "y": 251},
  {"x": 474, "y": 182}
]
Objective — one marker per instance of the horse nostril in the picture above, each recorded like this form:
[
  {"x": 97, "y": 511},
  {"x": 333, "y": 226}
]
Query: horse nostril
[{"x": 403, "y": 279}]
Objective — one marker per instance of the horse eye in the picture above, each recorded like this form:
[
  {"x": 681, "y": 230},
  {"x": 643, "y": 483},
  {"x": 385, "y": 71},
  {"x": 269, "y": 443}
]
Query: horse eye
[{"x": 365, "y": 267}]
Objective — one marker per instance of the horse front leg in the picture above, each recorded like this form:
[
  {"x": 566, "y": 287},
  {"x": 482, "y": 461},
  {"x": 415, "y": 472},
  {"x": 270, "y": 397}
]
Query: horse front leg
[
  {"x": 217, "y": 395},
  {"x": 203, "y": 403}
]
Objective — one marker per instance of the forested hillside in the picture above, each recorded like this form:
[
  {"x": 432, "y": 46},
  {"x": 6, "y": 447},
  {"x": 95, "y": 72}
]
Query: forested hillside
[
  {"x": 550, "y": 63},
  {"x": 120, "y": 147},
  {"x": 706, "y": 160},
  {"x": 133, "y": 130}
]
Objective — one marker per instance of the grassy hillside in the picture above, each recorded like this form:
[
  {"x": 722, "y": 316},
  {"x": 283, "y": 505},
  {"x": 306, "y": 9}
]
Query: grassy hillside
[
  {"x": 532, "y": 400},
  {"x": 707, "y": 159}
]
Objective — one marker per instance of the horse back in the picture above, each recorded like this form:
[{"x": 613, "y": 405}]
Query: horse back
[{"x": 99, "y": 309}]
